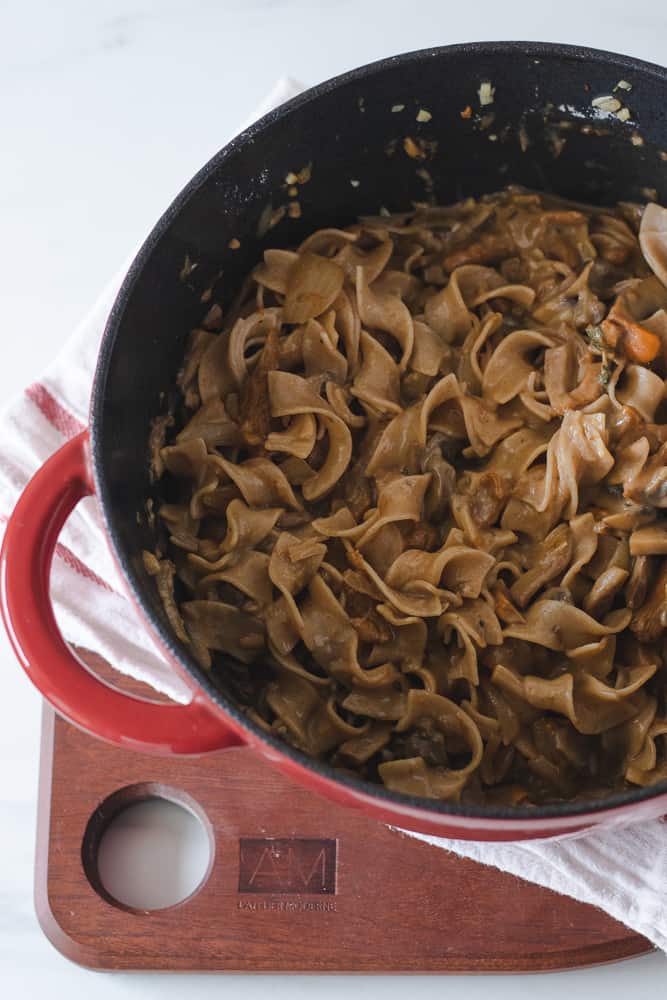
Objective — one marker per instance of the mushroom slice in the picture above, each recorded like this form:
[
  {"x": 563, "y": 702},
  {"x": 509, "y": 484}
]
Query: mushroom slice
[{"x": 649, "y": 621}]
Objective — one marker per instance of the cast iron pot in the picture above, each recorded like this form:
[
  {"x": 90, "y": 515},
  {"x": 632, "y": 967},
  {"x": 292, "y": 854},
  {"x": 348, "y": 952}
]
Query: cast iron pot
[{"x": 544, "y": 134}]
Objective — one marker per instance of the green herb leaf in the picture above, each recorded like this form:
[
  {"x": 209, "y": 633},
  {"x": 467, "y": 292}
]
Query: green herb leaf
[{"x": 596, "y": 337}]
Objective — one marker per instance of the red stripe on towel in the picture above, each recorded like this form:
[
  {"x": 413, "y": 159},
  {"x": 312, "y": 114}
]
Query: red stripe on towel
[
  {"x": 79, "y": 567},
  {"x": 73, "y": 561},
  {"x": 56, "y": 414}
]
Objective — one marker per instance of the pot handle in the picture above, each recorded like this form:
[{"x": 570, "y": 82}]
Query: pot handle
[{"x": 25, "y": 564}]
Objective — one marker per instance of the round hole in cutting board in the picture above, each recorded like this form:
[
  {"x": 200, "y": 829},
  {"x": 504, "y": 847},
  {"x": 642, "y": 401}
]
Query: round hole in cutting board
[{"x": 144, "y": 850}]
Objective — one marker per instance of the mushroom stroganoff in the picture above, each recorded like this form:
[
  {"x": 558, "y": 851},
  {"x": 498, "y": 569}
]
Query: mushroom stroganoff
[{"x": 413, "y": 498}]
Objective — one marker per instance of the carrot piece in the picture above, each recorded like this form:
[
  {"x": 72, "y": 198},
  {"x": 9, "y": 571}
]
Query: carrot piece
[{"x": 640, "y": 344}]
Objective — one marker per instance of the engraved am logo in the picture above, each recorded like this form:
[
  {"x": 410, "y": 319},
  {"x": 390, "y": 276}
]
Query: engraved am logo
[{"x": 287, "y": 865}]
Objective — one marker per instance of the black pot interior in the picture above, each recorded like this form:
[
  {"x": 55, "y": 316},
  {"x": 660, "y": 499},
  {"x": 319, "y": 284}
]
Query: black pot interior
[{"x": 544, "y": 134}]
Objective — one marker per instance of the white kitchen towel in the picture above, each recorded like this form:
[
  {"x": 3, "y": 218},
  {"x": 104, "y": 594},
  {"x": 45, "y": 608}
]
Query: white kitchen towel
[{"x": 622, "y": 871}]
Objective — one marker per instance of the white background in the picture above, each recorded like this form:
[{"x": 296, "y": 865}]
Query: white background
[{"x": 106, "y": 109}]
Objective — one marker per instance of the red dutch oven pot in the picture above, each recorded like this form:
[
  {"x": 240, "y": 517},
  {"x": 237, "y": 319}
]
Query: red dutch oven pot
[{"x": 346, "y": 129}]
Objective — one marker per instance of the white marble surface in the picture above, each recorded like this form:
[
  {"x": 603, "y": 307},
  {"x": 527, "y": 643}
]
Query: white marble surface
[{"x": 106, "y": 109}]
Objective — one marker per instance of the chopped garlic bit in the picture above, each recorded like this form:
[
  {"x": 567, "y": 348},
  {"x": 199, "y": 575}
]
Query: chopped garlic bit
[
  {"x": 276, "y": 216},
  {"x": 188, "y": 267},
  {"x": 623, "y": 115},
  {"x": 623, "y": 85},
  {"x": 398, "y": 107},
  {"x": 291, "y": 178},
  {"x": 423, "y": 115},
  {"x": 636, "y": 139},
  {"x": 493, "y": 137},
  {"x": 234, "y": 244},
  {"x": 292, "y": 191},
  {"x": 486, "y": 93},
  {"x": 354, "y": 183},
  {"x": 606, "y": 103},
  {"x": 264, "y": 223},
  {"x": 305, "y": 174},
  {"x": 413, "y": 149},
  {"x": 384, "y": 211},
  {"x": 558, "y": 143}
]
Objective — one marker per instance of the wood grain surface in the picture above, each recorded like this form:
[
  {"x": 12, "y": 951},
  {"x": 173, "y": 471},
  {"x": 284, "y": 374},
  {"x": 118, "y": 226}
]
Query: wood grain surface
[{"x": 296, "y": 883}]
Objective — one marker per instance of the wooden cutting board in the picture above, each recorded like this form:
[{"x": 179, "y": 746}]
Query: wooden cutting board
[{"x": 296, "y": 883}]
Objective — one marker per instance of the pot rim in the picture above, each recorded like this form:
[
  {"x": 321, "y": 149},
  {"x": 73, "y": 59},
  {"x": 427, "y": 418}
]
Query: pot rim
[{"x": 407, "y": 805}]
